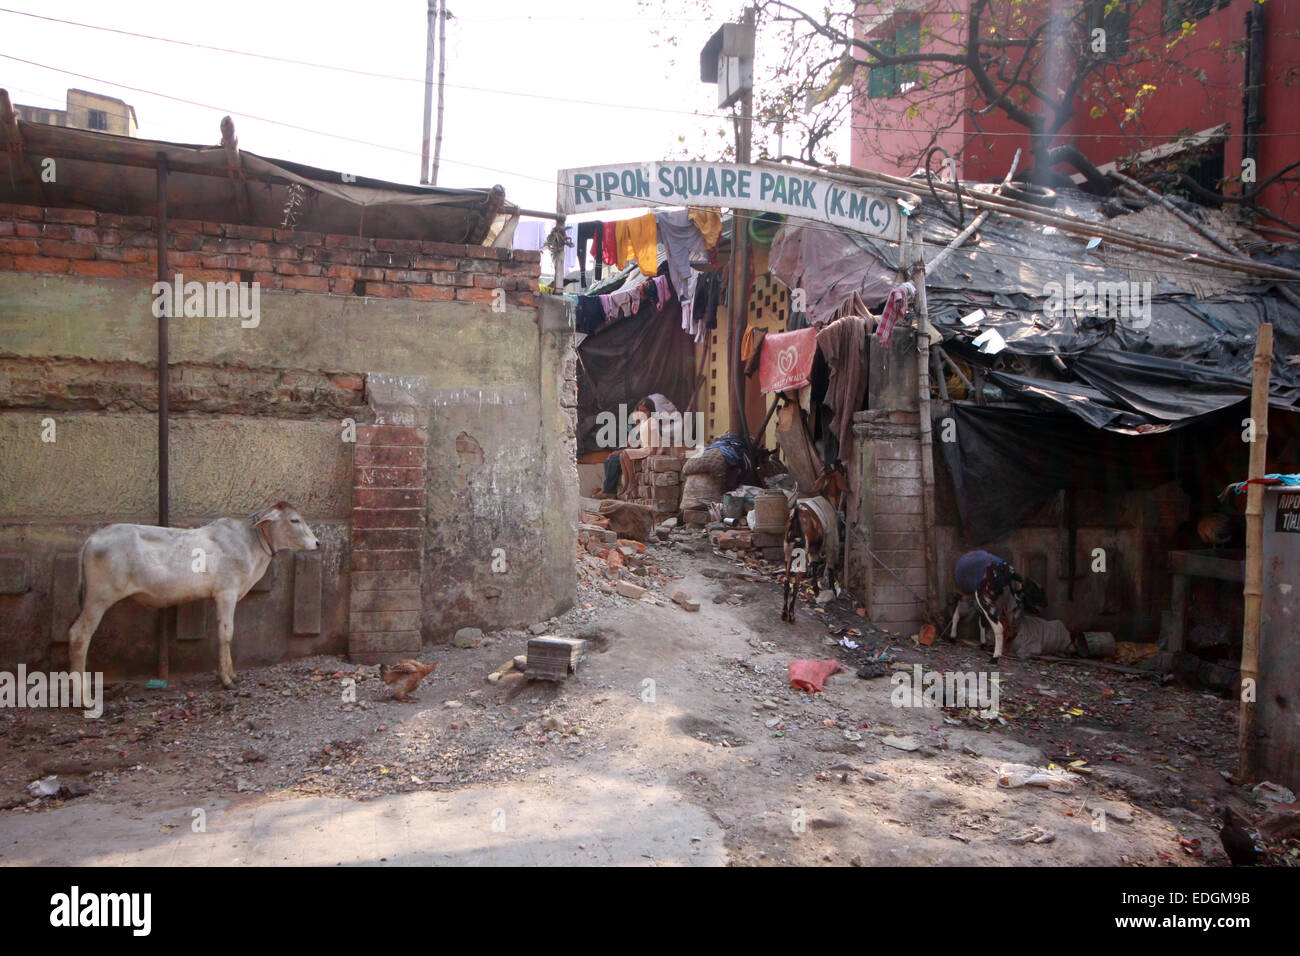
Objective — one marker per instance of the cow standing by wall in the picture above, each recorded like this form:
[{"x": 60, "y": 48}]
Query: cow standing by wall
[{"x": 162, "y": 567}]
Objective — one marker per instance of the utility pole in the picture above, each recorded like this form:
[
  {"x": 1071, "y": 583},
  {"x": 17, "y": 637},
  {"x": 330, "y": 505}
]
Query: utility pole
[
  {"x": 739, "y": 298},
  {"x": 442, "y": 75},
  {"x": 428, "y": 93}
]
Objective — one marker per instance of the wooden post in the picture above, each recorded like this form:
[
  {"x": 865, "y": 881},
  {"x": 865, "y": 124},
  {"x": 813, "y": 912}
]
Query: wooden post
[
  {"x": 923, "y": 329},
  {"x": 1254, "y": 591}
]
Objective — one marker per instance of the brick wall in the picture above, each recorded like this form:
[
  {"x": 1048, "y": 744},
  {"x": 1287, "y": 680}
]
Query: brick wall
[
  {"x": 888, "y": 562},
  {"x": 87, "y": 243},
  {"x": 387, "y": 542}
]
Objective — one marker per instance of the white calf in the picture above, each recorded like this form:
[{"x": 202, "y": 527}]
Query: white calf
[{"x": 161, "y": 567}]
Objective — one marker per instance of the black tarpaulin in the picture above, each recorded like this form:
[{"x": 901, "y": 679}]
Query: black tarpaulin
[
  {"x": 626, "y": 360},
  {"x": 1006, "y": 462}
]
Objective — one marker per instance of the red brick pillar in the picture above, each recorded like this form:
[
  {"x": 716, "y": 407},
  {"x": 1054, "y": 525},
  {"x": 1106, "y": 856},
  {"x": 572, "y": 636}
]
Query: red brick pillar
[{"x": 388, "y": 464}]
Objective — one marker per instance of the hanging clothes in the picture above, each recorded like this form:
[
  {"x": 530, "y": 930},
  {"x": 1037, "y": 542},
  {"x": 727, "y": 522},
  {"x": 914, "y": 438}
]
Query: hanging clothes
[
  {"x": 590, "y": 314},
  {"x": 843, "y": 344},
  {"x": 895, "y": 308},
  {"x": 638, "y": 239},
  {"x": 589, "y": 232},
  {"x": 708, "y": 293},
  {"x": 683, "y": 244},
  {"x": 751, "y": 347},
  {"x": 709, "y": 223},
  {"x": 609, "y": 244}
]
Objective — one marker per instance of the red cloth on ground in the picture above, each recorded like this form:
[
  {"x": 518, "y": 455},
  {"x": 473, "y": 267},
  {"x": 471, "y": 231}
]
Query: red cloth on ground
[
  {"x": 786, "y": 363},
  {"x": 811, "y": 675}
]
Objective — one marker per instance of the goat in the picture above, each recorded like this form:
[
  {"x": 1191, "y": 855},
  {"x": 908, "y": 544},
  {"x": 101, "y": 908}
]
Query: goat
[
  {"x": 811, "y": 543},
  {"x": 1000, "y": 596}
]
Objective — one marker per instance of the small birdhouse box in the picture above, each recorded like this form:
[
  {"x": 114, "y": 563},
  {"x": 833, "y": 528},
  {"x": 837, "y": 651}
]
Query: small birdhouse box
[{"x": 728, "y": 60}]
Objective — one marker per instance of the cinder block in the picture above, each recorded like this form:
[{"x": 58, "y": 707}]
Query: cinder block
[
  {"x": 307, "y": 575},
  {"x": 14, "y": 576}
]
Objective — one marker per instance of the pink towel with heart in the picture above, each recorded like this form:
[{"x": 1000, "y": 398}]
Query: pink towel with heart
[{"x": 786, "y": 363}]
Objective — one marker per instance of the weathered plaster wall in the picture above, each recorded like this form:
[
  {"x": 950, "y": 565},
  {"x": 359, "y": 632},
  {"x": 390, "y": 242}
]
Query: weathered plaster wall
[{"x": 490, "y": 387}]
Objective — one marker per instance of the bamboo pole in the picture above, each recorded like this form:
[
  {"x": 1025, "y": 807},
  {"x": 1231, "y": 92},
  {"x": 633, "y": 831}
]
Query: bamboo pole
[
  {"x": 1254, "y": 591},
  {"x": 978, "y": 221}
]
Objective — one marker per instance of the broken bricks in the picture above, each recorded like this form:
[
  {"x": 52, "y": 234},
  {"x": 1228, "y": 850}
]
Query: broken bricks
[
  {"x": 683, "y": 599},
  {"x": 553, "y": 658}
]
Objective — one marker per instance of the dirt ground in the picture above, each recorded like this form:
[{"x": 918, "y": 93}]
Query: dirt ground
[{"x": 679, "y": 740}]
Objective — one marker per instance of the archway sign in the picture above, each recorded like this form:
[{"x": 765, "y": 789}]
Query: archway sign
[{"x": 790, "y": 192}]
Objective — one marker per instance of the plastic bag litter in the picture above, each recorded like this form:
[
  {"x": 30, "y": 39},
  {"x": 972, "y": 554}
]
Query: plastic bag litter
[
  {"x": 46, "y": 787},
  {"x": 1023, "y": 775},
  {"x": 1272, "y": 792},
  {"x": 811, "y": 675}
]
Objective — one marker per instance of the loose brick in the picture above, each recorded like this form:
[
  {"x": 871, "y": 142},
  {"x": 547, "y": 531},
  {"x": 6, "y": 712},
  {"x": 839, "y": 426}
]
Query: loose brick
[
  {"x": 78, "y": 217},
  {"x": 427, "y": 292},
  {"x": 11, "y": 211},
  {"x": 263, "y": 233},
  {"x": 107, "y": 270},
  {"x": 388, "y": 290},
  {"x": 476, "y": 295},
  {"x": 306, "y": 283},
  {"x": 41, "y": 230},
  {"x": 435, "y": 264},
  {"x": 387, "y": 260},
  {"x": 20, "y": 247},
  {"x": 40, "y": 264},
  {"x": 405, "y": 275},
  {"x": 444, "y": 249},
  {"x": 481, "y": 266},
  {"x": 290, "y": 268},
  {"x": 130, "y": 254},
  {"x": 342, "y": 286},
  {"x": 397, "y": 245}
]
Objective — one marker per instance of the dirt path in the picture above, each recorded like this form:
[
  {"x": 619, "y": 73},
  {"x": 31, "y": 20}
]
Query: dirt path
[{"x": 679, "y": 742}]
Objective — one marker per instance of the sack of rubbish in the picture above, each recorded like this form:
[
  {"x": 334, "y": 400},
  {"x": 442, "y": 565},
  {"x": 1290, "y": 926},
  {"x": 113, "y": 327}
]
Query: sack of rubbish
[
  {"x": 811, "y": 675},
  {"x": 1012, "y": 775},
  {"x": 47, "y": 787},
  {"x": 1038, "y": 637}
]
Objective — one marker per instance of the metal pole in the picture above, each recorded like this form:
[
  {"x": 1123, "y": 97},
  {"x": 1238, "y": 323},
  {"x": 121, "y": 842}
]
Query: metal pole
[
  {"x": 740, "y": 266},
  {"x": 442, "y": 75},
  {"x": 163, "y": 349},
  {"x": 428, "y": 93}
]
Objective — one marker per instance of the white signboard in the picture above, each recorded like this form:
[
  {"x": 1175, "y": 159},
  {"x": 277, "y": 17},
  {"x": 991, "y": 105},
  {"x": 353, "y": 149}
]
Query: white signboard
[{"x": 789, "y": 192}]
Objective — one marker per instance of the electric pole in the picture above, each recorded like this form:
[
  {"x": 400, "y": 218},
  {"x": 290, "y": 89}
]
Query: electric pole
[{"x": 428, "y": 93}]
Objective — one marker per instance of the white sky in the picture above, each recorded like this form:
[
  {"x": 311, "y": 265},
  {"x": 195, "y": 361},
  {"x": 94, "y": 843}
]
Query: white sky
[{"x": 601, "y": 52}]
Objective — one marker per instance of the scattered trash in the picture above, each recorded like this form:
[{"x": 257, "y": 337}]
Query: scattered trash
[
  {"x": 1273, "y": 793},
  {"x": 1012, "y": 775},
  {"x": 927, "y": 635},
  {"x": 1033, "y": 835},
  {"x": 46, "y": 787},
  {"x": 900, "y": 743}
]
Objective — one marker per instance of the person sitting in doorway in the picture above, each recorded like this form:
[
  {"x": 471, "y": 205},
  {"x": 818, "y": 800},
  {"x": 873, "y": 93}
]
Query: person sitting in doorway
[{"x": 653, "y": 426}]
